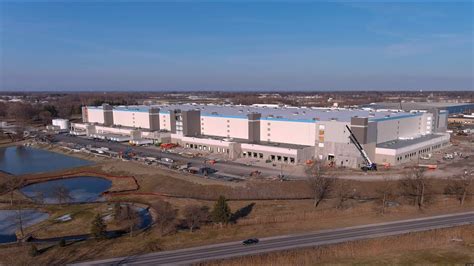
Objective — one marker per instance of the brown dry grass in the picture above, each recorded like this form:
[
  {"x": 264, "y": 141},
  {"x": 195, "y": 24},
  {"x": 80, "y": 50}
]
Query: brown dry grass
[
  {"x": 386, "y": 250},
  {"x": 267, "y": 218},
  {"x": 363, "y": 251},
  {"x": 164, "y": 181},
  {"x": 153, "y": 179},
  {"x": 82, "y": 215}
]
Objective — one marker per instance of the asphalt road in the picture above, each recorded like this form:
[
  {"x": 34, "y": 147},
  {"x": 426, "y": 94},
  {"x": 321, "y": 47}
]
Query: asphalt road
[
  {"x": 227, "y": 167},
  {"x": 271, "y": 244}
]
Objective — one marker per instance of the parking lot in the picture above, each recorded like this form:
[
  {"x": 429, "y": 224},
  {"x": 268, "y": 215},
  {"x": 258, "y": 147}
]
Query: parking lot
[
  {"x": 243, "y": 168},
  {"x": 227, "y": 169}
]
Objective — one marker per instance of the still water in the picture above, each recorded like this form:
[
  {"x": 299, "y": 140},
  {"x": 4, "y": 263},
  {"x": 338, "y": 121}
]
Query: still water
[
  {"x": 19, "y": 160},
  {"x": 9, "y": 222},
  {"x": 79, "y": 189}
]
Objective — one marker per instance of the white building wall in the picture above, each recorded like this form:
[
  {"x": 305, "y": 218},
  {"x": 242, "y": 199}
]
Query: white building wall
[
  {"x": 79, "y": 125},
  {"x": 142, "y": 120},
  {"x": 225, "y": 127},
  {"x": 165, "y": 121},
  {"x": 442, "y": 120},
  {"x": 269, "y": 149},
  {"x": 132, "y": 119},
  {"x": 410, "y": 127},
  {"x": 95, "y": 115},
  {"x": 427, "y": 124},
  {"x": 392, "y": 129},
  {"x": 113, "y": 130},
  {"x": 410, "y": 153},
  {"x": 61, "y": 123},
  {"x": 292, "y": 132},
  {"x": 209, "y": 142},
  {"x": 333, "y": 131}
]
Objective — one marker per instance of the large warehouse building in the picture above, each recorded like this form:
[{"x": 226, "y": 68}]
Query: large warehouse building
[
  {"x": 290, "y": 135},
  {"x": 451, "y": 108}
]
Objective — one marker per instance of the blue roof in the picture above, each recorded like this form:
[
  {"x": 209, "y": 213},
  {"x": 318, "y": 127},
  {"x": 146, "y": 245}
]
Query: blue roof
[{"x": 132, "y": 108}]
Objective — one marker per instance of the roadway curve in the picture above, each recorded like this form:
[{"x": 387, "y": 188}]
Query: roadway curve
[{"x": 271, "y": 244}]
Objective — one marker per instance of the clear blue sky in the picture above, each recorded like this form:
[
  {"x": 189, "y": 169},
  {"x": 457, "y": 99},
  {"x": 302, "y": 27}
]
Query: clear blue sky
[{"x": 236, "y": 46}]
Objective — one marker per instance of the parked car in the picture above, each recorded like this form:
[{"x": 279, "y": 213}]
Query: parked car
[
  {"x": 168, "y": 160},
  {"x": 250, "y": 241}
]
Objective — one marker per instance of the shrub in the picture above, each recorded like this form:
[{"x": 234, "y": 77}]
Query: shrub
[{"x": 33, "y": 251}]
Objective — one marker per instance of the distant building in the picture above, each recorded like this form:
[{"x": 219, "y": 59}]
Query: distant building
[
  {"x": 451, "y": 108},
  {"x": 62, "y": 124},
  {"x": 290, "y": 135},
  {"x": 462, "y": 119}
]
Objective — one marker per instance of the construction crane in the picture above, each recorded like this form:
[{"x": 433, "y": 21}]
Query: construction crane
[{"x": 369, "y": 165}]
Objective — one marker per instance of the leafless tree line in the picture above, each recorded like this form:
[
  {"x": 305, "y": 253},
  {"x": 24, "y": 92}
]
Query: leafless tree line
[{"x": 415, "y": 187}]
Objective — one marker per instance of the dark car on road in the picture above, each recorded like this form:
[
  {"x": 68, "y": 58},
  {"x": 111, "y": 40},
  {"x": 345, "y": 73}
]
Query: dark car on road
[{"x": 251, "y": 241}]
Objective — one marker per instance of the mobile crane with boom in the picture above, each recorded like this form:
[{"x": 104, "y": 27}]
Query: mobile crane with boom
[{"x": 369, "y": 165}]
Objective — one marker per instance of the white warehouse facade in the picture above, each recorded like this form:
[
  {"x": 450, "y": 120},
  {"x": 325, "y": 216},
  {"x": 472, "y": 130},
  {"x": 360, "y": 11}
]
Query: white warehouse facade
[{"x": 291, "y": 135}]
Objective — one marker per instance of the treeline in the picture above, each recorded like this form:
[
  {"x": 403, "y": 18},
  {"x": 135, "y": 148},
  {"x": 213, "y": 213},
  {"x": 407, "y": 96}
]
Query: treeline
[
  {"x": 43, "y": 107},
  {"x": 35, "y": 112},
  {"x": 414, "y": 188}
]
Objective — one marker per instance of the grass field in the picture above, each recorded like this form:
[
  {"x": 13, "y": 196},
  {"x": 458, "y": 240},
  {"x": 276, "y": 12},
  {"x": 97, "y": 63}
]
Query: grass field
[
  {"x": 82, "y": 216},
  {"x": 267, "y": 217},
  {"x": 443, "y": 246}
]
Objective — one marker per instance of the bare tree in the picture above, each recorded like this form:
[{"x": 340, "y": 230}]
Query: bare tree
[
  {"x": 13, "y": 183},
  {"x": 39, "y": 197},
  {"x": 126, "y": 215},
  {"x": 130, "y": 217},
  {"x": 166, "y": 216},
  {"x": 461, "y": 187},
  {"x": 416, "y": 186},
  {"x": 45, "y": 117},
  {"x": 21, "y": 111},
  {"x": 195, "y": 215},
  {"x": 344, "y": 191},
  {"x": 3, "y": 109},
  {"x": 118, "y": 211},
  {"x": 17, "y": 134},
  {"x": 20, "y": 219},
  {"x": 320, "y": 183},
  {"x": 385, "y": 192},
  {"x": 62, "y": 194}
]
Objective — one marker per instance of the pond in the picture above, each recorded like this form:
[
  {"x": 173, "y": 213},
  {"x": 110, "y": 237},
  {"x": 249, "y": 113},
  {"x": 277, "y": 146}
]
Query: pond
[
  {"x": 145, "y": 218},
  {"x": 68, "y": 190},
  {"x": 9, "y": 222},
  {"x": 19, "y": 160}
]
